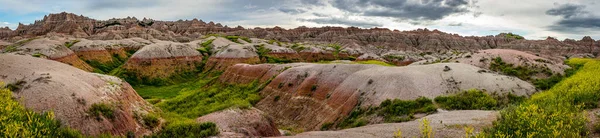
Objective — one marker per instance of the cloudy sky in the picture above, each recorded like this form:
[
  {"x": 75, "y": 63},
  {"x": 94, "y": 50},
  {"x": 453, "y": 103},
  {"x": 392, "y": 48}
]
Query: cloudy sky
[{"x": 534, "y": 19}]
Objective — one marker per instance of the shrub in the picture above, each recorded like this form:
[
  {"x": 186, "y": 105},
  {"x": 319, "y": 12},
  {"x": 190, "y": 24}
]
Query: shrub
[
  {"x": 468, "y": 100},
  {"x": 188, "y": 130},
  {"x": 101, "y": 109},
  {"x": 426, "y": 130},
  {"x": 150, "y": 121},
  {"x": 17, "y": 121},
  {"x": 326, "y": 126},
  {"x": 394, "y": 108},
  {"x": 391, "y": 110}
]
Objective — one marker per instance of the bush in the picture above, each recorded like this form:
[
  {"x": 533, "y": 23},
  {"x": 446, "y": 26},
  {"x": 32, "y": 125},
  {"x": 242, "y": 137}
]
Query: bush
[
  {"x": 468, "y": 100},
  {"x": 188, "y": 130},
  {"x": 17, "y": 121},
  {"x": 326, "y": 126},
  {"x": 396, "y": 108},
  {"x": 102, "y": 109},
  {"x": 391, "y": 110},
  {"x": 150, "y": 121},
  {"x": 521, "y": 72}
]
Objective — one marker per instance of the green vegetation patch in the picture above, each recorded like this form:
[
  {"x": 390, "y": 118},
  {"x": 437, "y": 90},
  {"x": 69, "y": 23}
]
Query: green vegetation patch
[
  {"x": 212, "y": 96},
  {"x": 514, "y": 36},
  {"x": 102, "y": 109},
  {"x": 263, "y": 54},
  {"x": 557, "y": 112},
  {"x": 188, "y": 130},
  {"x": 69, "y": 44},
  {"x": 522, "y": 72},
  {"x": 391, "y": 110},
  {"x": 17, "y": 121},
  {"x": 106, "y": 68},
  {"x": 477, "y": 100},
  {"x": 235, "y": 39}
]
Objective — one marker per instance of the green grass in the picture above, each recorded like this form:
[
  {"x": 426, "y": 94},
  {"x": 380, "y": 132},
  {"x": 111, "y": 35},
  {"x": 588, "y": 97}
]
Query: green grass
[
  {"x": 557, "y": 112},
  {"x": 209, "y": 96},
  {"x": 17, "y": 121},
  {"x": 375, "y": 62}
]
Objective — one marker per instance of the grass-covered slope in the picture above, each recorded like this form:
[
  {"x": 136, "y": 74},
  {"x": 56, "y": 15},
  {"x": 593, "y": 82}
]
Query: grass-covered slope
[{"x": 558, "y": 112}]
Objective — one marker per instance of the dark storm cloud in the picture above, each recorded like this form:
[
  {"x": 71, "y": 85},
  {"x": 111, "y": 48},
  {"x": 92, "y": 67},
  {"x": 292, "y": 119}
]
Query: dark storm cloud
[
  {"x": 574, "y": 18},
  {"x": 343, "y": 21},
  {"x": 292, "y": 11},
  {"x": 404, "y": 9},
  {"x": 119, "y": 4},
  {"x": 567, "y": 10}
]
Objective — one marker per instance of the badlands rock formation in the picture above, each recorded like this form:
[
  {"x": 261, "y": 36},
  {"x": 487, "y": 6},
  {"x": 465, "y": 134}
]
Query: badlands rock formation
[
  {"x": 352, "y": 37},
  {"x": 46, "y": 85},
  {"x": 483, "y": 59},
  {"x": 312, "y": 94},
  {"x": 242, "y": 123},
  {"x": 103, "y": 51},
  {"x": 163, "y": 59},
  {"x": 52, "y": 48}
]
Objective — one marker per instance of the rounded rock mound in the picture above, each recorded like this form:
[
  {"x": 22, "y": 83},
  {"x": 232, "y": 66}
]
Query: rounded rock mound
[
  {"x": 242, "y": 123},
  {"x": 52, "y": 48},
  {"x": 326, "y": 92},
  {"x": 163, "y": 59},
  {"x": 91, "y": 103},
  {"x": 103, "y": 51}
]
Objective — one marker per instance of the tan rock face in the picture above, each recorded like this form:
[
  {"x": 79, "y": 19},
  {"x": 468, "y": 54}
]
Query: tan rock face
[
  {"x": 242, "y": 123},
  {"x": 47, "y": 85},
  {"x": 163, "y": 59},
  {"x": 307, "y": 95}
]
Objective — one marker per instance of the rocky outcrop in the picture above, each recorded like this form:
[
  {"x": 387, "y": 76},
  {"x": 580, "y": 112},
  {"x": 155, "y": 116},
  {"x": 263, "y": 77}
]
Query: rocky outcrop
[
  {"x": 46, "y": 85},
  {"x": 163, "y": 59},
  {"x": 51, "y": 48},
  {"x": 242, "y": 123},
  {"x": 230, "y": 55},
  {"x": 421, "y": 40},
  {"x": 309, "y": 95},
  {"x": 483, "y": 59},
  {"x": 444, "y": 124},
  {"x": 103, "y": 51}
]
